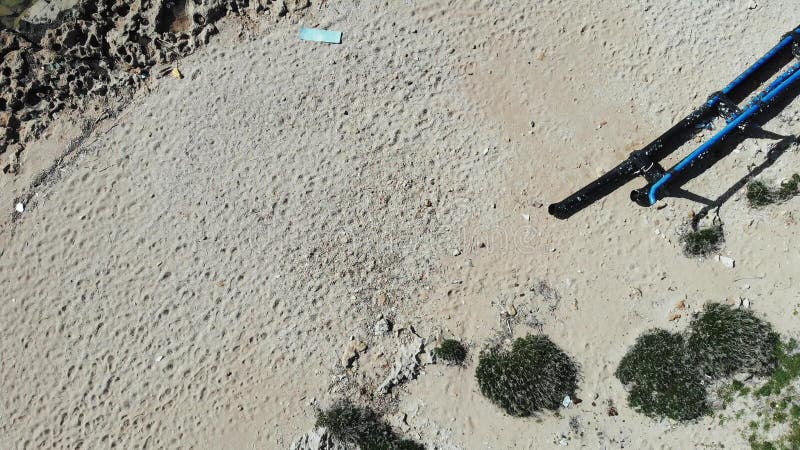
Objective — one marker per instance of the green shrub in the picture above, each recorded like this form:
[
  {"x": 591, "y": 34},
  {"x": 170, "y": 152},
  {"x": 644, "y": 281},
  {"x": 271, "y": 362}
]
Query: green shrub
[
  {"x": 702, "y": 242},
  {"x": 726, "y": 340},
  {"x": 788, "y": 189},
  {"x": 759, "y": 194},
  {"x": 662, "y": 381},
  {"x": 362, "y": 427},
  {"x": 451, "y": 351},
  {"x": 535, "y": 374}
]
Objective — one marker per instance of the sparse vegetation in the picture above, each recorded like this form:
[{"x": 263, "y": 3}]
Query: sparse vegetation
[
  {"x": 728, "y": 392},
  {"x": 787, "y": 369},
  {"x": 788, "y": 441},
  {"x": 789, "y": 188},
  {"x": 726, "y": 340},
  {"x": 703, "y": 241},
  {"x": 362, "y": 427},
  {"x": 535, "y": 374},
  {"x": 452, "y": 351},
  {"x": 662, "y": 380},
  {"x": 759, "y": 194}
]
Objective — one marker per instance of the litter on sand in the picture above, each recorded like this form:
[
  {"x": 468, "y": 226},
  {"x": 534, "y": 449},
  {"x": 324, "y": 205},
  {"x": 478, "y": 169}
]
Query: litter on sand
[
  {"x": 20, "y": 207},
  {"x": 318, "y": 35}
]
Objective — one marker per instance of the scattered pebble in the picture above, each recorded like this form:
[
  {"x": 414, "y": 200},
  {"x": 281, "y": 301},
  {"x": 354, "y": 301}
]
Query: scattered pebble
[{"x": 382, "y": 327}]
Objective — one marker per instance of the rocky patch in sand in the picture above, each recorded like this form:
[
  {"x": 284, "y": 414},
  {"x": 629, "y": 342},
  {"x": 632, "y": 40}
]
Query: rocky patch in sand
[{"x": 98, "y": 51}]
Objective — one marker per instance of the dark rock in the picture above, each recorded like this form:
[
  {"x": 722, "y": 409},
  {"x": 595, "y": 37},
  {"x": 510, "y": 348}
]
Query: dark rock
[{"x": 99, "y": 49}]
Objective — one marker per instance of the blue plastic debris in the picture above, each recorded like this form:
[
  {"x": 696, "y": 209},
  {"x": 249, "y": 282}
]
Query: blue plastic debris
[{"x": 318, "y": 35}]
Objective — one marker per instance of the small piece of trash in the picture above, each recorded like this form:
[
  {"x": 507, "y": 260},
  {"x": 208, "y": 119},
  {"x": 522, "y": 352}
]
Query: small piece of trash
[
  {"x": 159, "y": 358},
  {"x": 20, "y": 208},
  {"x": 318, "y": 35},
  {"x": 730, "y": 263},
  {"x": 527, "y": 217},
  {"x": 566, "y": 402},
  {"x": 511, "y": 311},
  {"x": 176, "y": 73}
]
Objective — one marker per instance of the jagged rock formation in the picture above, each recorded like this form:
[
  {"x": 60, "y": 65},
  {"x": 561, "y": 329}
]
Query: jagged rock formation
[{"x": 98, "y": 49}]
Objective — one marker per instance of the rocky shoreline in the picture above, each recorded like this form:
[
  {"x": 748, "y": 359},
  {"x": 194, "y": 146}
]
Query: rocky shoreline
[{"x": 98, "y": 51}]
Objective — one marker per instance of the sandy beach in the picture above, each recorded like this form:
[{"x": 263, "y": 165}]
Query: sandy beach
[{"x": 197, "y": 266}]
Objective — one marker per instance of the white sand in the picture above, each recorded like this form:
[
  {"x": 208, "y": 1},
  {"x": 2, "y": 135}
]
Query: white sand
[{"x": 193, "y": 275}]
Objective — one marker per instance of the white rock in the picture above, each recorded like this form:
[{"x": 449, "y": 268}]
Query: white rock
[
  {"x": 727, "y": 262},
  {"x": 382, "y": 327},
  {"x": 406, "y": 366},
  {"x": 19, "y": 207},
  {"x": 317, "y": 439}
]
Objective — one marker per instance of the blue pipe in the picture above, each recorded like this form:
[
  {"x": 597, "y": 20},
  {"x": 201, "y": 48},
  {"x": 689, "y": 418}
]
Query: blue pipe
[
  {"x": 776, "y": 87},
  {"x": 785, "y": 42}
]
